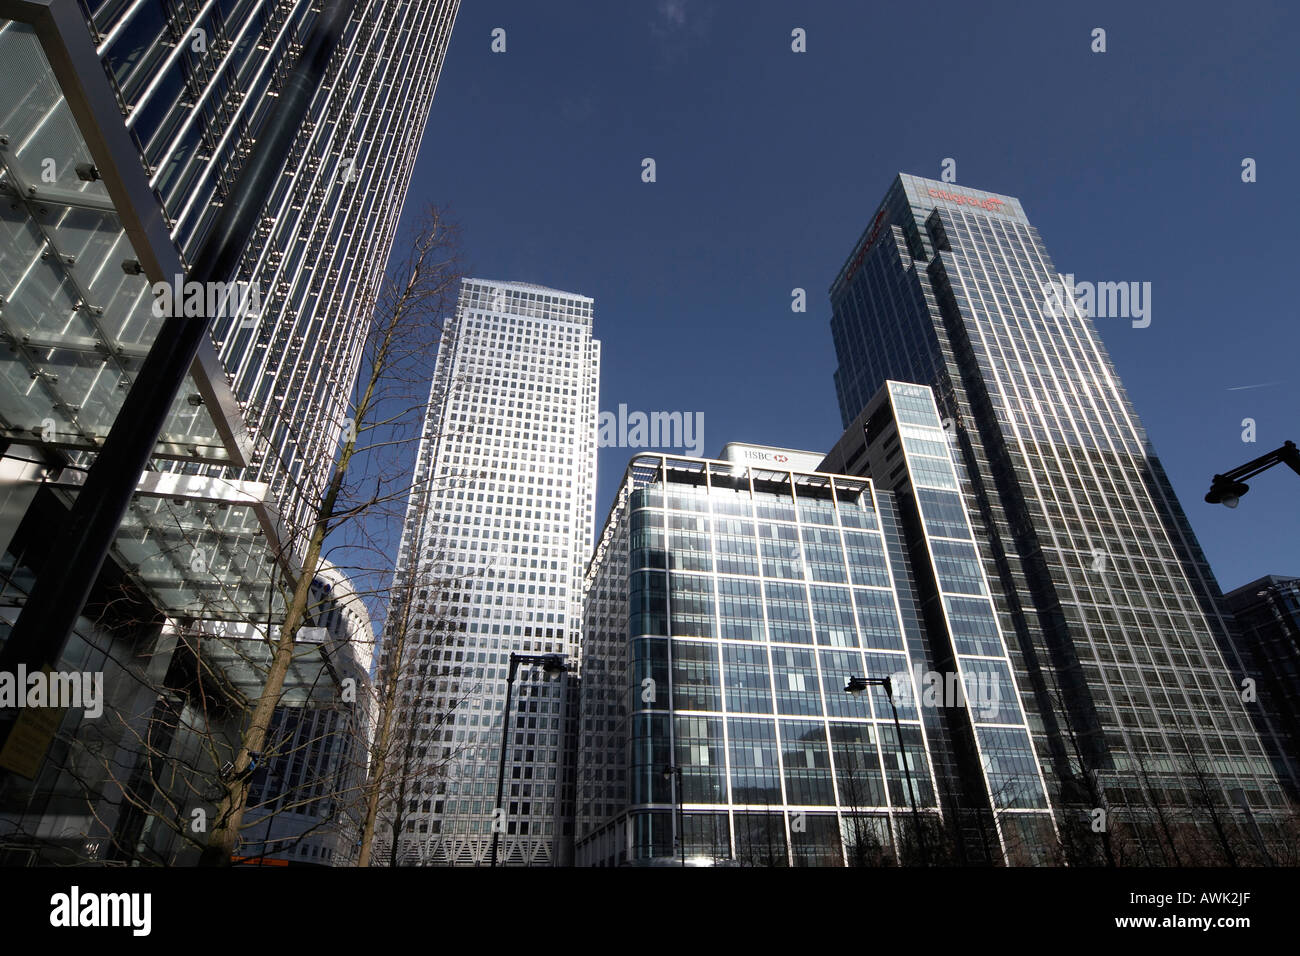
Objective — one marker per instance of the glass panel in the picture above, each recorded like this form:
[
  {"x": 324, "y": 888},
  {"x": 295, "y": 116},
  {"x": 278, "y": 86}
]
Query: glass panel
[{"x": 77, "y": 314}]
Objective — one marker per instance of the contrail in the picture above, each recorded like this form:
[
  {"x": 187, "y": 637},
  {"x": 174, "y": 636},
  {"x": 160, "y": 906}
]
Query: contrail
[{"x": 1238, "y": 388}]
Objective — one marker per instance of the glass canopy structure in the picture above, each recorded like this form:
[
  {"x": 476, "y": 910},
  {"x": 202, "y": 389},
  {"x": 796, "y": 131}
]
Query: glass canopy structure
[
  {"x": 77, "y": 313},
  {"x": 82, "y": 239}
]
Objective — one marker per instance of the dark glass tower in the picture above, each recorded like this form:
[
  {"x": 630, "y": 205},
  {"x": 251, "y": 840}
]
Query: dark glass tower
[
  {"x": 1118, "y": 642},
  {"x": 1267, "y": 611}
]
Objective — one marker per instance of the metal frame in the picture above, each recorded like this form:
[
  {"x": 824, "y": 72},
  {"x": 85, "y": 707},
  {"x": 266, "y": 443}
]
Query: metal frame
[{"x": 61, "y": 27}]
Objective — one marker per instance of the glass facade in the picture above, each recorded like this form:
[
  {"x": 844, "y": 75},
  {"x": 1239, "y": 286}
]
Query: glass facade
[
  {"x": 909, "y": 446},
  {"x": 125, "y": 126},
  {"x": 320, "y": 249},
  {"x": 123, "y": 134},
  {"x": 727, "y": 608},
  {"x": 1267, "y": 613},
  {"x": 193, "y": 84},
  {"x": 77, "y": 314},
  {"x": 1117, "y": 642}
]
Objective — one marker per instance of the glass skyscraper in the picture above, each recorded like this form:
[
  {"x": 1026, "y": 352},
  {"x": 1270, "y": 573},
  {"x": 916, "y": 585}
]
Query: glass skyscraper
[
  {"x": 501, "y": 517},
  {"x": 328, "y": 226},
  {"x": 1117, "y": 640},
  {"x": 1267, "y": 613},
  {"x": 991, "y": 782},
  {"x": 124, "y": 125},
  {"x": 126, "y": 130}
]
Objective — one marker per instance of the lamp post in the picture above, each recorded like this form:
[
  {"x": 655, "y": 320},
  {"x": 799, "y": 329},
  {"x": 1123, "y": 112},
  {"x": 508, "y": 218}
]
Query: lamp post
[
  {"x": 857, "y": 685},
  {"x": 1227, "y": 489},
  {"x": 674, "y": 774},
  {"x": 551, "y": 664}
]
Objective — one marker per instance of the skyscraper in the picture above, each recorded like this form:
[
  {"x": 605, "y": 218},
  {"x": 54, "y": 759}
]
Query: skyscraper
[
  {"x": 191, "y": 87},
  {"x": 1267, "y": 612},
  {"x": 731, "y": 604},
  {"x": 327, "y": 229},
  {"x": 124, "y": 128},
  {"x": 1119, "y": 643},
  {"x": 992, "y": 783},
  {"x": 497, "y": 533}
]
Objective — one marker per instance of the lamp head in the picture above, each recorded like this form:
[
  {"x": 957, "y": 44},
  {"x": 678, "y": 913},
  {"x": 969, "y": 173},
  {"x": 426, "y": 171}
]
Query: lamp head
[{"x": 1226, "y": 492}]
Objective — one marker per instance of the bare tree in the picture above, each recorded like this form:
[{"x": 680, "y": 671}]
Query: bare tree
[
  {"x": 404, "y": 331},
  {"x": 1207, "y": 798},
  {"x": 401, "y": 673},
  {"x": 1081, "y": 835},
  {"x": 864, "y": 846}
]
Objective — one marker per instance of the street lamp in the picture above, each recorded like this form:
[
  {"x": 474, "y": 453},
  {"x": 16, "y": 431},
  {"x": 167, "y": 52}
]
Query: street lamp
[
  {"x": 551, "y": 665},
  {"x": 857, "y": 685},
  {"x": 1227, "y": 489},
  {"x": 675, "y": 775}
]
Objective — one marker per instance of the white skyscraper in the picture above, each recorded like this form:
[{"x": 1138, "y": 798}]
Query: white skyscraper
[{"x": 501, "y": 519}]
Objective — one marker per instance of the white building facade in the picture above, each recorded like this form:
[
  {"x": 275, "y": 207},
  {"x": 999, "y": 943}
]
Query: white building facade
[{"x": 501, "y": 524}]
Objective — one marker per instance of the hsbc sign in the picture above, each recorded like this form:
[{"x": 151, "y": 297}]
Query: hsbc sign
[{"x": 783, "y": 460}]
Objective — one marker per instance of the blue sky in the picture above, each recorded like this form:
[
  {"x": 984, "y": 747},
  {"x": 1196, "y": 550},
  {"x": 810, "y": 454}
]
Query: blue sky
[{"x": 769, "y": 163}]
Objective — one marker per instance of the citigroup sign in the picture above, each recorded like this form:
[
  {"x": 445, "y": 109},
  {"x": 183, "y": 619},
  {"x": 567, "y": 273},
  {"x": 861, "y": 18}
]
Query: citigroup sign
[{"x": 988, "y": 202}]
